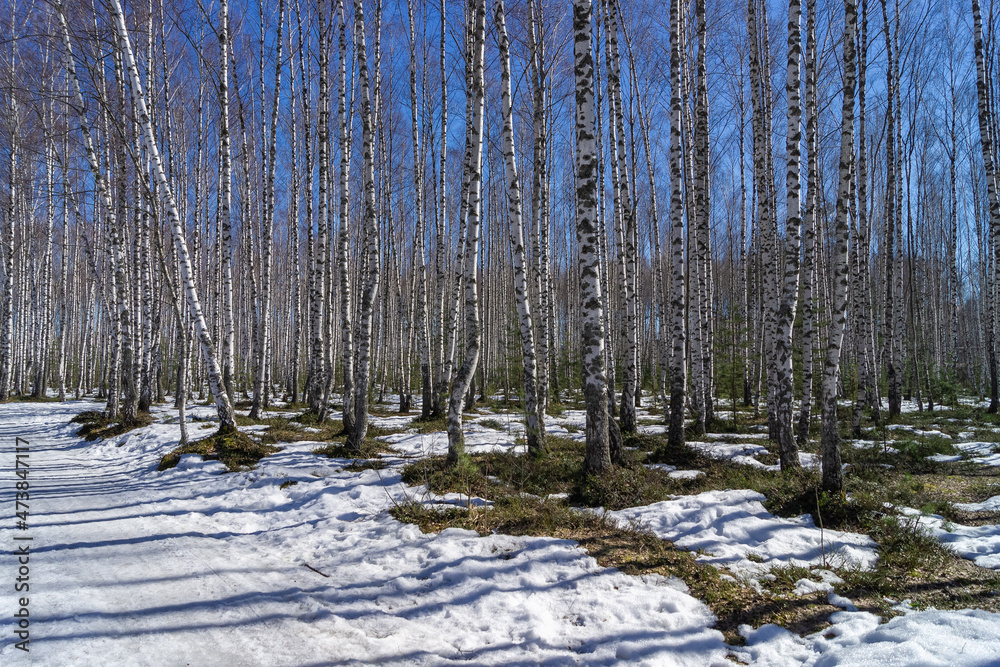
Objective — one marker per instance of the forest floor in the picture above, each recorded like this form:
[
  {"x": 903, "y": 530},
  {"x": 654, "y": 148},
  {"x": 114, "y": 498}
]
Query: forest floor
[{"x": 704, "y": 556}]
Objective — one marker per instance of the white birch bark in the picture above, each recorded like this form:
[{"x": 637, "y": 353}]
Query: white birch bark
[
  {"x": 894, "y": 372},
  {"x": 597, "y": 458},
  {"x": 473, "y": 168},
  {"x": 678, "y": 366},
  {"x": 343, "y": 245},
  {"x": 440, "y": 385},
  {"x": 704, "y": 207},
  {"x": 534, "y": 417},
  {"x": 267, "y": 240},
  {"x": 7, "y": 245},
  {"x": 993, "y": 199},
  {"x": 809, "y": 231},
  {"x": 830, "y": 436},
  {"x": 362, "y": 371},
  {"x": 319, "y": 311},
  {"x": 625, "y": 217},
  {"x": 225, "y": 216},
  {"x": 787, "y": 449},
  {"x": 422, "y": 324}
]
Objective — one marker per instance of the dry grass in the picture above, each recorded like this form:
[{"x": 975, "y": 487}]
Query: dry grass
[
  {"x": 237, "y": 450},
  {"x": 96, "y": 425}
]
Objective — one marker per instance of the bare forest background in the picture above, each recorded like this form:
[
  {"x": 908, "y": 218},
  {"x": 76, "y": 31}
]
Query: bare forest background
[{"x": 707, "y": 207}]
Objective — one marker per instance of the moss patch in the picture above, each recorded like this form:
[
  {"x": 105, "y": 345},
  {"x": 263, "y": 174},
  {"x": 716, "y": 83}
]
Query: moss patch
[
  {"x": 369, "y": 449},
  {"x": 235, "y": 449},
  {"x": 96, "y": 425},
  {"x": 431, "y": 424},
  {"x": 291, "y": 428},
  {"x": 366, "y": 464}
]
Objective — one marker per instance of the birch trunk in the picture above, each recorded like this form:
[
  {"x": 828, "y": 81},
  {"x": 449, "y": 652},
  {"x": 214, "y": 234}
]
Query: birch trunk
[
  {"x": 534, "y": 416},
  {"x": 319, "y": 308},
  {"x": 678, "y": 368},
  {"x": 832, "y": 473},
  {"x": 267, "y": 241},
  {"x": 225, "y": 214},
  {"x": 809, "y": 231},
  {"x": 787, "y": 449},
  {"x": 371, "y": 242},
  {"x": 597, "y": 458},
  {"x": 343, "y": 245},
  {"x": 473, "y": 167},
  {"x": 422, "y": 328},
  {"x": 7, "y": 245},
  {"x": 441, "y": 381},
  {"x": 993, "y": 199},
  {"x": 625, "y": 219},
  {"x": 894, "y": 373}
]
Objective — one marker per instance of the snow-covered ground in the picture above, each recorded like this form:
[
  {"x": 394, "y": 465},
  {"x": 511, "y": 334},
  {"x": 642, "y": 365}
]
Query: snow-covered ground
[
  {"x": 731, "y": 526},
  {"x": 194, "y": 566}
]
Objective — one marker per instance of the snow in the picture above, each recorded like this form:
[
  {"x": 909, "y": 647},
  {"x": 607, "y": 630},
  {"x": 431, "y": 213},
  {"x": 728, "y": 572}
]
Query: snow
[
  {"x": 984, "y": 450},
  {"x": 735, "y": 436},
  {"x": 925, "y": 638},
  {"x": 988, "y": 505},
  {"x": 945, "y": 458},
  {"x": 980, "y": 544},
  {"x": 673, "y": 472},
  {"x": 743, "y": 453},
  {"x": 732, "y": 527},
  {"x": 198, "y": 566},
  {"x": 916, "y": 431},
  {"x": 193, "y": 566},
  {"x": 806, "y": 586},
  {"x": 746, "y": 453}
]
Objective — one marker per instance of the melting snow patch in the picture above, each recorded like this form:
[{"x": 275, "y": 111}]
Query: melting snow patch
[
  {"x": 980, "y": 544},
  {"x": 743, "y": 453},
  {"x": 945, "y": 458},
  {"x": 990, "y": 505},
  {"x": 928, "y": 638},
  {"x": 731, "y": 525}
]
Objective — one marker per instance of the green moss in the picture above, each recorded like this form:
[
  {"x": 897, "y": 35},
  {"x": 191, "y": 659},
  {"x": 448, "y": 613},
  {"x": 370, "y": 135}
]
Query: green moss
[
  {"x": 235, "y": 449},
  {"x": 620, "y": 487},
  {"x": 368, "y": 464},
  {"x": 96, "y": 425},
  {"x": 369, "y": 449},
  {"x": 431, "y": 424}
]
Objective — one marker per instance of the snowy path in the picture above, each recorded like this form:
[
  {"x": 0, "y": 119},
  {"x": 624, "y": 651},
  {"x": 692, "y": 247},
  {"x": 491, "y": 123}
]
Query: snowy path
[
  {"x": 113, "y": 572},
  {"x": 134, "y": 567}
]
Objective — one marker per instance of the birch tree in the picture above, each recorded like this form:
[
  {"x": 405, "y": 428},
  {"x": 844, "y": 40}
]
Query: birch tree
[
  {"x": 371, "y": 241},
  {"x": 534, "y": 416},
  {"x": 422, "y": 324},
  {"x": 830, "y": 436},
  {"x": 678, "y": 367},
  {"x": 266, "y": 241},
  {"x": 473, "y": 169},
  {"x": 787, "y": 449},
  {"x": 597, "y": 458}
]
